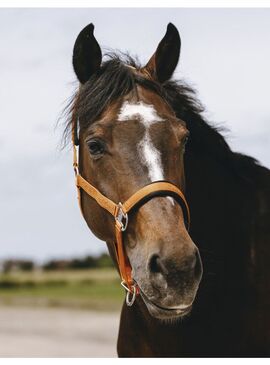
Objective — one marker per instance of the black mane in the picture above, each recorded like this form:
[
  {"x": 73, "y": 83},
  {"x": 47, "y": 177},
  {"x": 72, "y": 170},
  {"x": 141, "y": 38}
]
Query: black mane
[{"x": 115, "y": 79}]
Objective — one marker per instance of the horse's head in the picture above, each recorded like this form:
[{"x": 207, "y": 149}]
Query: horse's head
[{"x": 129, "y": 137}]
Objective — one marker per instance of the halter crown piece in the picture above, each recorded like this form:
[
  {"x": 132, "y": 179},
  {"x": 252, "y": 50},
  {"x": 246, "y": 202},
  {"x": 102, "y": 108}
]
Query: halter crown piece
[{"x": 120, "y": 211}]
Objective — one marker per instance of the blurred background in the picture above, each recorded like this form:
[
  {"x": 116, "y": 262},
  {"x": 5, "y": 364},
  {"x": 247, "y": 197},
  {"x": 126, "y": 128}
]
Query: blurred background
[{"x": 59, "y": 294}]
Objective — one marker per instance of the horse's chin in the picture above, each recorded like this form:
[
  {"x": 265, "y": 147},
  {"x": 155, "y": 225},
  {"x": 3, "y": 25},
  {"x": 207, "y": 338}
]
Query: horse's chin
[{"x": 159, "y": 311}]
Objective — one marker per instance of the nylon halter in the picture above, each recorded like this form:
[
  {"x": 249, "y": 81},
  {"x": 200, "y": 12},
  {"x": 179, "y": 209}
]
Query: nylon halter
[{"x": 121, "y": 210}]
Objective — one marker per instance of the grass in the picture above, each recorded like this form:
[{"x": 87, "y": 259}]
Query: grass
[{"x": 97, "y": 289}]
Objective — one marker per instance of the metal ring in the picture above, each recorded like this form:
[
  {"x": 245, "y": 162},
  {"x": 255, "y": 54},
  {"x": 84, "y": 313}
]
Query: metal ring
[
  {"x": 129, "y": 300},
  {"x": 132, "y": 300}
]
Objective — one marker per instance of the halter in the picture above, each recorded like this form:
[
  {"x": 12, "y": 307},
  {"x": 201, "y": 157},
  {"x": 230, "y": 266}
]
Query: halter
[{"x": 120, "y": 211}]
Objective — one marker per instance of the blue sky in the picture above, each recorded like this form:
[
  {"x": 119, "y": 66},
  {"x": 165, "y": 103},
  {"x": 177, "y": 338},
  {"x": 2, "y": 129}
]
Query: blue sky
[{"x": 225, "y": 55}]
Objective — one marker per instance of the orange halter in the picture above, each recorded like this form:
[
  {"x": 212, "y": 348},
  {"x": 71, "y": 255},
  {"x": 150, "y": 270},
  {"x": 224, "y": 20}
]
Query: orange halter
[{"x": 120, "y": 212}]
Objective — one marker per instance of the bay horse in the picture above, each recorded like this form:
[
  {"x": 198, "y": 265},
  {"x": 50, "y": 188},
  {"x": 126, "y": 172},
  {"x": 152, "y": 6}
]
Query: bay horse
[{"x": 198, "y": 292}]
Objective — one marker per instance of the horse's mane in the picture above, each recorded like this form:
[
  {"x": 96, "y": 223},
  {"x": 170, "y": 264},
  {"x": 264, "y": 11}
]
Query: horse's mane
[{"x": 115, "y": 80}]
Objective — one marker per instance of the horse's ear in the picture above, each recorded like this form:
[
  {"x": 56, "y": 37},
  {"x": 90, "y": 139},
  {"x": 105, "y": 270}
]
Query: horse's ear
[
  {"x": 86, "y": 54},
  {"x": 164, "y": 61}
]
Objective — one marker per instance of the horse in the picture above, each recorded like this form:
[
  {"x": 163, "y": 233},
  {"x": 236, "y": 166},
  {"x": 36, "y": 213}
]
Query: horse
[{"x": 198, "y": 291}]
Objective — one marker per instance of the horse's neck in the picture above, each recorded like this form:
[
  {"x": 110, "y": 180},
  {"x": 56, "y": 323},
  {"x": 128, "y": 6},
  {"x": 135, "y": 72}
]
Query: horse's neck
[{"x": 230, "y": 224}]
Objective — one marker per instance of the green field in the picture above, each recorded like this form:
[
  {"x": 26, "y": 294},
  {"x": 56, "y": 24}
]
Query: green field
[{"x": 97, "y": 289}]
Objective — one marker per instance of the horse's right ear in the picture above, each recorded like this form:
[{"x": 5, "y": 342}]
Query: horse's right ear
[{"x": 86, "y": 54}]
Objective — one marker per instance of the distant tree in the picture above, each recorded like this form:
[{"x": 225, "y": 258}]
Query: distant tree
[
  {"x": 56, "y": 265},
  {"x": 105, "y": 260},
  {"x": 88, "y": 262},
  {"x": 17, "y": 265},
  {"x": 27, "y": 265}
]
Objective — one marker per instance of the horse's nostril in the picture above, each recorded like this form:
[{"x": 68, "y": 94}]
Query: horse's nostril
[
  {"x": 156, "y": 266},
  {"x": 188, "y": 265}
]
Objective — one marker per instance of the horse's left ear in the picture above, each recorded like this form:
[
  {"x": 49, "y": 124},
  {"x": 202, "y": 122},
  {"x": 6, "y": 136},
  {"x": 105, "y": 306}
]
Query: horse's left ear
[
  {"x": 87, "y": 54},
  {"x": 164, "y": 61}
]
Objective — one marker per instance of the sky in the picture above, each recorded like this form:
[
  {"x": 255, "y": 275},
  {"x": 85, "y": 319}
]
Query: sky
[{"x": 225, "y": 55}]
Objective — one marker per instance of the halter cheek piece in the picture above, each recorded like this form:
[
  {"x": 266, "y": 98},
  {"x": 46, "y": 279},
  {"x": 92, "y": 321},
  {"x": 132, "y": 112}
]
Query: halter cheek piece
[{"x": 120, "y": 213}]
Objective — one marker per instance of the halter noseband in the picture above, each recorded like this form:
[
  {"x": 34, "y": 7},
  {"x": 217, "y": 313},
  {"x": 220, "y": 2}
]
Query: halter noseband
[{"x": 120, "y": 212}]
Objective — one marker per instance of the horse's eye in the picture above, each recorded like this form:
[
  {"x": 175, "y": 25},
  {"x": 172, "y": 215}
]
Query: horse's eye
[{"x": 96, "y": 147}]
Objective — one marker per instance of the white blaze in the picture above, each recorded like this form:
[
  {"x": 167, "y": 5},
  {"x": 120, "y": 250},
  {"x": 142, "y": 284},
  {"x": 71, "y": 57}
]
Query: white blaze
[
  {"x": 150, "y": 156},
  {"x": 148, "y": 153},
  {"x": 145, "y": 112}
]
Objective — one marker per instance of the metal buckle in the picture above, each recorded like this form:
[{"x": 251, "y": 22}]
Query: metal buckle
[
  {"x": 129, "y": 301},
  {"x": 120, "y": 216}
]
